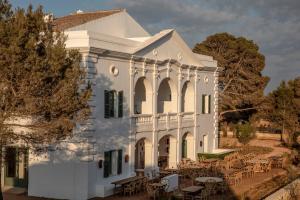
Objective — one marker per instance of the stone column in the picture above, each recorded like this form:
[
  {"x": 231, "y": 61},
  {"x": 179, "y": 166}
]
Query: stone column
[
  {"x": 179, "y": 116},
  {"x": 132, "y": 136},
  {"x": 154, "y": 111}
]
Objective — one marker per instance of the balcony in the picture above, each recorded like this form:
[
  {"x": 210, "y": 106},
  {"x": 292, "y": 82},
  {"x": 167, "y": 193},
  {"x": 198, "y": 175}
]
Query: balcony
[{"x": 163, "y": 121}]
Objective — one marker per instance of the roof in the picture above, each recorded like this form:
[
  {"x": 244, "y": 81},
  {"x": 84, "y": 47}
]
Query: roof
[{"x": 79, "y": 18}]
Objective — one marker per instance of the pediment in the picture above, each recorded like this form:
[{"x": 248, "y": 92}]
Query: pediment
[{"x": 168, "y": 45}]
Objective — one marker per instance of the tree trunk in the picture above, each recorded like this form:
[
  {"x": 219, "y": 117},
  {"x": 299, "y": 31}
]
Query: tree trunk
[{"x": 1, "y": 159}]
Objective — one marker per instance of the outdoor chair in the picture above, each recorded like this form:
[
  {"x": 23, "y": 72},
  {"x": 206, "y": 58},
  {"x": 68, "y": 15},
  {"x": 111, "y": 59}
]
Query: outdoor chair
[
  {"x": 151, "y": 191},
  {"x": 139, "y": 186},
  {"x": 223, "y": 187},
  {"x": 129, "y": 189}
]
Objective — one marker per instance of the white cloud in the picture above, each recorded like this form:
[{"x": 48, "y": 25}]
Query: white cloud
[{"x": 272, "y": 24}]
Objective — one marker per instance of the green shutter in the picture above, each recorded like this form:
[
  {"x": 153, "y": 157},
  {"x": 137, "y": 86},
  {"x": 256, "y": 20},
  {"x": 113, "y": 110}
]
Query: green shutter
[
  {"x": 120, "y": 156},
  {"x": 203, "y": 104},
  {"x": 120, "y": 103},
  {"x": 107, "y": 164},
  {"x": 111, "y": 104},
  {"x": 209, "y": 103},
  {"x": 106, "y": 104}
]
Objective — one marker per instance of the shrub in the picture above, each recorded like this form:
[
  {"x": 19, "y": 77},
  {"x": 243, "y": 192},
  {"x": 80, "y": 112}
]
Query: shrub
[{"x": 244, "y": 132}]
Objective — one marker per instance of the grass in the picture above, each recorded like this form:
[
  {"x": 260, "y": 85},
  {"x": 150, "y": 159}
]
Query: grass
[{"x": 255, "y": 149}]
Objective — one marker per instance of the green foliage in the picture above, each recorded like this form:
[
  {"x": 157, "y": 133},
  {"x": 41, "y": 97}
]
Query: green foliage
[
  {"x": 241, "y": 81},
  {"x": 284, "y": 108},
  {"x": 40, "y": 79},
  {"x": 244, "y": 132},
  {"x": 257, "y": 150}
]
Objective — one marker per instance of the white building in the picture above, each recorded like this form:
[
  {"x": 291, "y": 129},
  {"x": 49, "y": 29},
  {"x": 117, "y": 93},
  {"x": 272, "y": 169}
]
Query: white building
[{"x": 154, "y": 102}]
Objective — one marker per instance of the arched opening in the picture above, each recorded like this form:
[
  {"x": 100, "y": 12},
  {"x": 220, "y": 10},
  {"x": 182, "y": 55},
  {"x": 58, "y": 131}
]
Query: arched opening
[
  {"x": 187, "y": 146},
  {"x": 142, "y": 97},
  {"x": 167, "y": 152},
  {"x": 187, "y": 98},
  {"x": 143, "y": 154},
  {"x": 167, "y": 97}
]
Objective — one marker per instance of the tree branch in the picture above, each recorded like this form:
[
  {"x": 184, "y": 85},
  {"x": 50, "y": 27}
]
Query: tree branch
[{"x": 235, "y": 110}]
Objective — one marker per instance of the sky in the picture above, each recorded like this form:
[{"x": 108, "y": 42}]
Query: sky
[{"x": 272, "y": 24}]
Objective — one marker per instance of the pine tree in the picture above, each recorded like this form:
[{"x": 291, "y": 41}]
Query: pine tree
[
  {"x": 284, "y": 112},
  {"x": 41, "y": 81},
  {"x": 241, "y": 82}
]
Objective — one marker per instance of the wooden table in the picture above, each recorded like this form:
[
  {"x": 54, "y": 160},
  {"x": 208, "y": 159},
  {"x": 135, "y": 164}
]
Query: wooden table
[
  {"x": 126, "y": 181},
  {"x": 192, "y": 190},
  {"x": 140, "y": 172},
  {"x": 209, "y": 179},
  {"x": 158, "y": 188}
]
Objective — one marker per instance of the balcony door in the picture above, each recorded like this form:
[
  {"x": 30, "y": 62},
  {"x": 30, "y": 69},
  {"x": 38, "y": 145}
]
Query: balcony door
[{"x": 16, "y": 167}]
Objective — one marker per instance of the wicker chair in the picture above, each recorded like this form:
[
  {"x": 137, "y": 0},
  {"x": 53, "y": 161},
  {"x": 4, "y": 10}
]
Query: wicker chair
[
  {"x": 129, "y": 189},
  {"x": 152, "y": 192}
]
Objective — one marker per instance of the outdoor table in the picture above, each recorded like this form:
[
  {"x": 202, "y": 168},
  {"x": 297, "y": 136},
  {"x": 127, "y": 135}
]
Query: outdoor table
[
  {"x": 126, "y": 181},
  {"x": 158, "y": 187},
  {"x": 192, "y": 190},
  {"x": 140, "y": 172},
  {"x": 207, "y": 179}
]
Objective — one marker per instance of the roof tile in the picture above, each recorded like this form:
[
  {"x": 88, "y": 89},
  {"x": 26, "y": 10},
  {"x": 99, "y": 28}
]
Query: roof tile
[{"x": 76, "y": 19}]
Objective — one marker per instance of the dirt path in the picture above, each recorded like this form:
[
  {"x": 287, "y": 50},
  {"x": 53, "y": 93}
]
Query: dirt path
[{"x": 275, "y": 145}]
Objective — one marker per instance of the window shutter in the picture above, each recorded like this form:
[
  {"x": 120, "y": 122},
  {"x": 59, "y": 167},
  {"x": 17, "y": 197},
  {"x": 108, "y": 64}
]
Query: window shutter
[
  {"x": 106, "y": 104},
  {"x": 120, "y": 156},
  {"x": 209, "y": 103},
  {"x": 111, "y": 104},
  {"x": 120, "y": 103},
  {"x": 107, "y": 164},
  {"x": 203, "y": 104}
]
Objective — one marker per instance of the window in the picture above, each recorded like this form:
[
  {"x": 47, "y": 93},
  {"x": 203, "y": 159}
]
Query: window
[
  {"x": 113, "y": 104},
  {"x": 112, "y": 163},
  {"x": 11, "y": 162},
  {"x": 206, "y": 104}
]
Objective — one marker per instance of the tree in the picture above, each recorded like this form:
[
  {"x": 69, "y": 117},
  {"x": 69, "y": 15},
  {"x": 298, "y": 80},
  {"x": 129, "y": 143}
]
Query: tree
[
  {"x": 283, "y": 110},
  {"x": 244, "y": 132},
  {"x": 41, "y": 82},
  {"x": 241, "y": 82}
]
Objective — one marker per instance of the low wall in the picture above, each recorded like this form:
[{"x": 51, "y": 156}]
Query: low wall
[
  {"x": 290, "y": 191},
  {"x": 259, "y": 135},
  {"x": 267, "y": 136}
]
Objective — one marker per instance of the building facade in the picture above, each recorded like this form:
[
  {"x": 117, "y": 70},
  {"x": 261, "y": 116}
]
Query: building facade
[{"x": 154, "y": 102}]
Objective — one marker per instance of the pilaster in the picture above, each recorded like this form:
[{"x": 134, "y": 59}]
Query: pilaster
[{"x": 154, "y": 111}]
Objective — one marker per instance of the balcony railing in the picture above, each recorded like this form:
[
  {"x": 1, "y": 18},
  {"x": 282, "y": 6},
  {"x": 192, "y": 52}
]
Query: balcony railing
[
  {"x": 142, "y": 119},
  {"x": 188, "y": 116},
  {"x": 143, "y": 122}
]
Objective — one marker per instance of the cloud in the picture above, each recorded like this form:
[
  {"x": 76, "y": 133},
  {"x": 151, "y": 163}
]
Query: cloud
[{"x": 272, "y": 24}]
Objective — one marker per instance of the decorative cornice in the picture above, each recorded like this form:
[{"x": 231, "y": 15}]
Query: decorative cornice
[{"x": 128, "y": 56}]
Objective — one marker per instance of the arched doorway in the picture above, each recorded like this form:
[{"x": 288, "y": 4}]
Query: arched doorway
[
  {"x": 187, "y": 98},
  {"x": 143, "y": 97},
  {"x": 167, "y": 97},
  {"x": 143, "y": 154},
  {"x": 187, "y": 146},
  {"x": 167, "y": 152}
]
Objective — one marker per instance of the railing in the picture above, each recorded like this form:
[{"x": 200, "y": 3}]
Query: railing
[
  {"x": 188, "y": 115},
  {"x": 173, "y": 116},
  {"x": 162, "y": 117},
  {"x": 166, "y": 120},
  {"x": 142, "y": 119}
]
